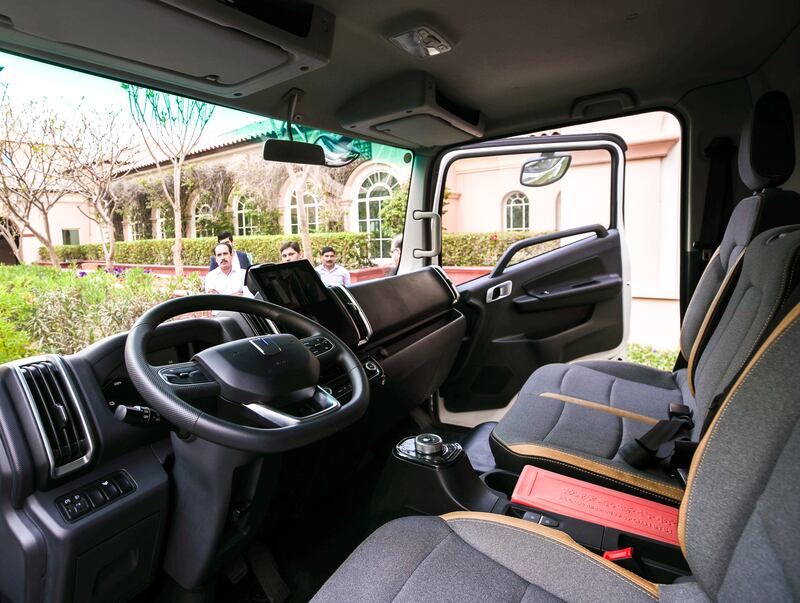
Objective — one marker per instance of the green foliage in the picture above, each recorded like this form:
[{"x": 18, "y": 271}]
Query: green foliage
[
  {"x": 657, "y": 359},
  {"x": 485, "y": 248},
  {"x": 45, "y": 310},
  {"x": 207, "y": 226},
  {"x": 393, "y": 211},
  {"x": 351, "y": 248}
]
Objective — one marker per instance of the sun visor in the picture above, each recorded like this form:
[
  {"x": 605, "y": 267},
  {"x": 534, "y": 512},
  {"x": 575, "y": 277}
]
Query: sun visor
[
  {"x": 410, "y": 110},
  {"x": 199, "y": 45}
]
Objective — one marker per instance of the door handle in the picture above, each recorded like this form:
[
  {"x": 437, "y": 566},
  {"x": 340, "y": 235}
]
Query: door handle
[
  {"x": 498, "y": 292},
  {"x": 436, "y": 234}
]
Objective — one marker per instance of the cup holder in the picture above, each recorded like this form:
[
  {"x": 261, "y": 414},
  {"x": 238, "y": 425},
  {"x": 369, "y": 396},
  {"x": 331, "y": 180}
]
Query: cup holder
[{"x": 501, "y": 481}]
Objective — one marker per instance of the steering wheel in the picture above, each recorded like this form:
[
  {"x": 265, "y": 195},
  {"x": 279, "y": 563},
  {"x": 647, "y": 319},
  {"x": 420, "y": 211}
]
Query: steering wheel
[{"x": 271, "y": 379}]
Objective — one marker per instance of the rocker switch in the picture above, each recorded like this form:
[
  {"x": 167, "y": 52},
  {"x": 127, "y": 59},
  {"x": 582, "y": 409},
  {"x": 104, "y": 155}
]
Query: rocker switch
[{"x": 110, "y": 489}]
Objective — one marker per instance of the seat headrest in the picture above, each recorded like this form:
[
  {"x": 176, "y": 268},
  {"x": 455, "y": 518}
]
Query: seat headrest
[{"x": 766, "y": 148}]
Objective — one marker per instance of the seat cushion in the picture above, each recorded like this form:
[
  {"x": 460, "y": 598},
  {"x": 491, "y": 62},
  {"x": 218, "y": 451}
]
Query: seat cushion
[
  {"x": 478, "y": 557},
  {"x": 569, "y": 437}
]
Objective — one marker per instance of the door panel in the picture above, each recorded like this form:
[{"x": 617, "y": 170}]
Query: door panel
[
  {"x": 569, "y": 302},
  {"x": 565, "y": 304}
]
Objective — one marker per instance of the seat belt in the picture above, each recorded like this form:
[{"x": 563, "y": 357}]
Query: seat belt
[
  {"x": 665, "y": 439},
  {"x": 657, "y": 444},
  {"x": 718, "y": 204}
]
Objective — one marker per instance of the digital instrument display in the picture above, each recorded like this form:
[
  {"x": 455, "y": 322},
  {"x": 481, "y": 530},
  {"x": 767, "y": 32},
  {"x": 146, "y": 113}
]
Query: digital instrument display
[{"x": 298, "y": 287}]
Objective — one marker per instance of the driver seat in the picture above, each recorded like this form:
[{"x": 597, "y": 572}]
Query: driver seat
[{"x": 739, "y": 521}]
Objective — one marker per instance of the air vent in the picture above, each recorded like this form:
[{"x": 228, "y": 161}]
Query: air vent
[
  {"x": 354, "y": 311},
  {"x": 58, "y": 413},
  {"x": 261, "y": 325}
]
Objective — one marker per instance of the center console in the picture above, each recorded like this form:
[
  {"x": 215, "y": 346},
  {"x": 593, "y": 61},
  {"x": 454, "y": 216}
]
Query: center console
[{"x": 427, "y": 475}]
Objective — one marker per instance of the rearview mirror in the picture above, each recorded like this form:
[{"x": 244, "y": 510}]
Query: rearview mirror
[
  {"x": 289, "y": 151},
  {"x": 544, "y": 170}
]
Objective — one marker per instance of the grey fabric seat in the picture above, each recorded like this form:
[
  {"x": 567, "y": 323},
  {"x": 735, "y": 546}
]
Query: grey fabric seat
[
  {"x": 739, "y": 523},
  {"x": 766, "y": 159},
  {"x": 571, "y": 438}
]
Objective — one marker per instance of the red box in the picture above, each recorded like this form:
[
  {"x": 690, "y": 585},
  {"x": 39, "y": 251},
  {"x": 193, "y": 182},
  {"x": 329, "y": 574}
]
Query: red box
[{"x": 548, "y": 491}]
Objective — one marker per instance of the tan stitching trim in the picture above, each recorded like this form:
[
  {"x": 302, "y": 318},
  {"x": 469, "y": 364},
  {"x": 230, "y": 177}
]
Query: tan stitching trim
[
  {"x": 699, "y": 454},
  {"x": 649, "y": 485},
  {"x": 708, "y": 267},
  {"x": 626, "y": 414},
  {"x": 560, "y": 538},
  {"x": 712, "y": 311}
]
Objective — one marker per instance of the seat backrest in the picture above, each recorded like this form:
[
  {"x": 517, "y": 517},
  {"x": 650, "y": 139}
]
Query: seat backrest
[
  {"x": 770, "y": 270},
  {"x": 766, "y": 160},
  {"x": 740, "y": 518}
]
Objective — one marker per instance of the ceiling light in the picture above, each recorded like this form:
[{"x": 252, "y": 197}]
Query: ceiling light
[{"x": 422, "y": 42}]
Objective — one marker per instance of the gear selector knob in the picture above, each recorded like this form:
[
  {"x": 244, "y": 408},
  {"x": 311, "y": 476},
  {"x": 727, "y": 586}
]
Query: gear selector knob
[{"x": 428, "y": 444}]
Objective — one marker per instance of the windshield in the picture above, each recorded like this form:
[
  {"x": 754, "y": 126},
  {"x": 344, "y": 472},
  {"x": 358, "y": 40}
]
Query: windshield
[{"x": 113, "y": 198}]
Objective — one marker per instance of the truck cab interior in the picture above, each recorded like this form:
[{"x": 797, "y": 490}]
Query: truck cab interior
[{"x": 410, "y": 438}]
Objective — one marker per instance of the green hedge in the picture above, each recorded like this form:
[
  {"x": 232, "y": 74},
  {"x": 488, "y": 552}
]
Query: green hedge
[
  {"x": 485, "y": 248},
  {"x": 458, "y": 249},
  {"x": 46, "y": 310},
  {"x": 351, "y": 248}
]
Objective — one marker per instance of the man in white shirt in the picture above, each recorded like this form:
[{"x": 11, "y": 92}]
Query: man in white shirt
[
  {"x": 226, "y": 278},
  {"x": 329, "y": 271}
]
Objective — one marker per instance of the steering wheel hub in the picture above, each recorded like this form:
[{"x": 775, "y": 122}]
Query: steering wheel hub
[{"x": 273, "y": 369}]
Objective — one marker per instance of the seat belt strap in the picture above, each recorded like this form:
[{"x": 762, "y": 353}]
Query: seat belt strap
[
  {"x": 657, "y": 443},
  {"x": 718, "y": 204}
]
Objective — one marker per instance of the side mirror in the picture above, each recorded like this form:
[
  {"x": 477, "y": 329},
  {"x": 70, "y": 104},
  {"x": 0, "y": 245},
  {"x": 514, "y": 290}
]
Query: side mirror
[
  {"x": 289, "y": 151},
  {"x": 544, "y": 170}
]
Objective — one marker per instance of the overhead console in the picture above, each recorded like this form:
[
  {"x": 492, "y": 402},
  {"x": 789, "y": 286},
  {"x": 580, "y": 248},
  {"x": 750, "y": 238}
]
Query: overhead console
[
  {"x": 412, "y": 110},
  {"x": 229, "y": 49}
]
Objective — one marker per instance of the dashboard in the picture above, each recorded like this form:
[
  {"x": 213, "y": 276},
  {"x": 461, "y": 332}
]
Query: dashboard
[{"x": 83, "y": 481}]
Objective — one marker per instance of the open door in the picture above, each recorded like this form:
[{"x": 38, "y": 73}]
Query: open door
[{"x": 560, "y": 289}]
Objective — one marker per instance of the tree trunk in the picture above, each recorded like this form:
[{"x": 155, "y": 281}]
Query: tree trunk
[
  {"x": 111, "y": 248},
  {"x": 177, "y": 248},
  {"x": 299, "y": 179},
  {"x": 51, "y": 250},
  {"x": 47, "y": 241}
]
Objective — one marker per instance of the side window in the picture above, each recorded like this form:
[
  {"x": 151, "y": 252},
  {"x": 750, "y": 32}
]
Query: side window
[{"x": 487, "y": 208}]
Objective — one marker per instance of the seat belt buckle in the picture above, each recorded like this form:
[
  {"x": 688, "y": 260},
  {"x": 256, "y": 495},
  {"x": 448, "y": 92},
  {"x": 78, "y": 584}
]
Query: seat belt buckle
[
  {"x": 624, "y": 558},
  {"x": 682, "y": 412},
  {"x": 679, "y": 410},
  {"x": 619, "y": 554}
]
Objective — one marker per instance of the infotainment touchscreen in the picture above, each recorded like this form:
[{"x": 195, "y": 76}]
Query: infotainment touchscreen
[{"x": 297, "y": 286}]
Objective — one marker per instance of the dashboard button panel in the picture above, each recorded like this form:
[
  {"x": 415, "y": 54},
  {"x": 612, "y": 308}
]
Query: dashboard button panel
[
  {"x": 95, "y": 495},
  {"x": 318, "y": 345}
]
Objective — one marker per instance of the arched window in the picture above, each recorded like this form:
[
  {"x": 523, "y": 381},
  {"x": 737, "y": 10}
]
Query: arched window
[
  {"x": 203, "y": 220},
  {"x": 375, "y": 190},
  {"x": 517, "y": 210},
  {"x": 312, "y": 212},
  {"x": 245, "y": 225},
  {"x": 137, "y": 230}
]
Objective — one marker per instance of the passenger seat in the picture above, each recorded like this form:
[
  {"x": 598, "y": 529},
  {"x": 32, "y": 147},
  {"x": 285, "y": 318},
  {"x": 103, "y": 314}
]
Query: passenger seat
[{"x": 551, "y": 416}]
